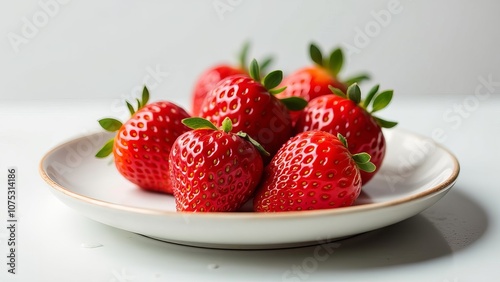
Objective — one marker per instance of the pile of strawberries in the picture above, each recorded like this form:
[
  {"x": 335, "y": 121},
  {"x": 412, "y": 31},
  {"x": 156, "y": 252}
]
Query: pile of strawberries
[{"x": 304, "y": 142}]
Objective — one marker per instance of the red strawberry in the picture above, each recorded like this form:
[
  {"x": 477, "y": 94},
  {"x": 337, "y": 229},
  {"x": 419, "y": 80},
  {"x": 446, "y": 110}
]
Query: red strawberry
[
  {"x": 142, "y": 144},
  {"x": 214, "y": 170},
  {"x": 252, "y": 107},
  {"x": 347, "y": 115},
  {"x": 314, "y": 81},
  {"x": 210, "y": 77},
  {"x": 207, "y": 82},
  {"x": 313, "y": 170}
]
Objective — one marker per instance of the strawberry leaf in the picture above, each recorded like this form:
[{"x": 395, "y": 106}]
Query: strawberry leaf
[
  {"x": 356, "y": 79},
  {"x": 138, "y": 104},
  {"x": 385, "y": 123},
  {"x": 342, "y": 139},
  {"x": 294, "y": 103},
  {"x": 110, "y": 124},
  {"x": 145, "y": 97},
  {"x": 367, "y": 167},
  {"x": 354, "y": 93},
  {"x": 254, "y": 142},
  {"x": 265, "y": 63},
  {"x": 315, "y": 54},
  {"x": 337, "y": 91},
  {"x": 276, "y": 91},
  {"x": 106, "y": 150},
  {"x": 363, "y": 162},
  {"x": 273, "y": 79},
  {"x": 382, "y": 100},
  {"x": 254, "y": 70},
  {"x": 361, "y": 158},
  {"x": 197, "y": 123},
  {"x": 370, "y": 96},
  {"x": 130, "y": 108},
  {"x": 336, "y": 61}
]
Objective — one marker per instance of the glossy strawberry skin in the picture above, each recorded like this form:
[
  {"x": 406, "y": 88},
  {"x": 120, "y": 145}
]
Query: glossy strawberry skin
[
  {"x": 308, "y": 83},
  {"x": 213, "y": 171},
  {"x": 142, "y": 145},
  {"x": 313, "y": 170},
  {"x": 207, "y": 81},
  {"x": 251, "y": 109},
  {"x": 334, "y": 114}
]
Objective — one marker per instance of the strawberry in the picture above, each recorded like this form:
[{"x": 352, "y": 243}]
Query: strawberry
[
  {"x": 207, "y": 82},
  {"x": 214, "y": 170},
  {"x": 351, "y": 117},
  {"x": 210, "y": 77},
  {"x": 313, "y": 170},
  {"x": 314, "y": 81},
  {"x": 253, "y": 108},
  {"x": 142, "y": 145}
]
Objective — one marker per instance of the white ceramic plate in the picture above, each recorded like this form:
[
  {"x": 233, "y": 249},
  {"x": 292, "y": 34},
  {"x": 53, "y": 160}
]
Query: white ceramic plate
[{"x": 416, "y": 173}]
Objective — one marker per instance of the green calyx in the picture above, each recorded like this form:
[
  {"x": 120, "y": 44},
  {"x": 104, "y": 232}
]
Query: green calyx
[
  {"x": 363, "y": 162},
  {"x": 243, "y": 56},
  {"x": 199, "y": 123},
  {"x": 273, "y": 80},
  {"x": 362, "y": 159},
  {"x": 226, "y": 126},
  {"x": 113, "y": 125},
  {"x": 374, "y": 101},
  {"x": 270, "y": 81},
  {"x": 106, "y": 150},
  {"x": 254, "y": 142},
  {"x": 334, "y": 63}
]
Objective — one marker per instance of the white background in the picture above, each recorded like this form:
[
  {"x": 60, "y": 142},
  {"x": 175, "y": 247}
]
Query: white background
[
  {"x": 103, "y": 49},
  {"x": 88, "y": 55}
]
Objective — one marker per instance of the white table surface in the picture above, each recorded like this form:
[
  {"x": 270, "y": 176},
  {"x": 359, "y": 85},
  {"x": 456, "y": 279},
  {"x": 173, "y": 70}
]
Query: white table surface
[{"x": 454, "y": 240}]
